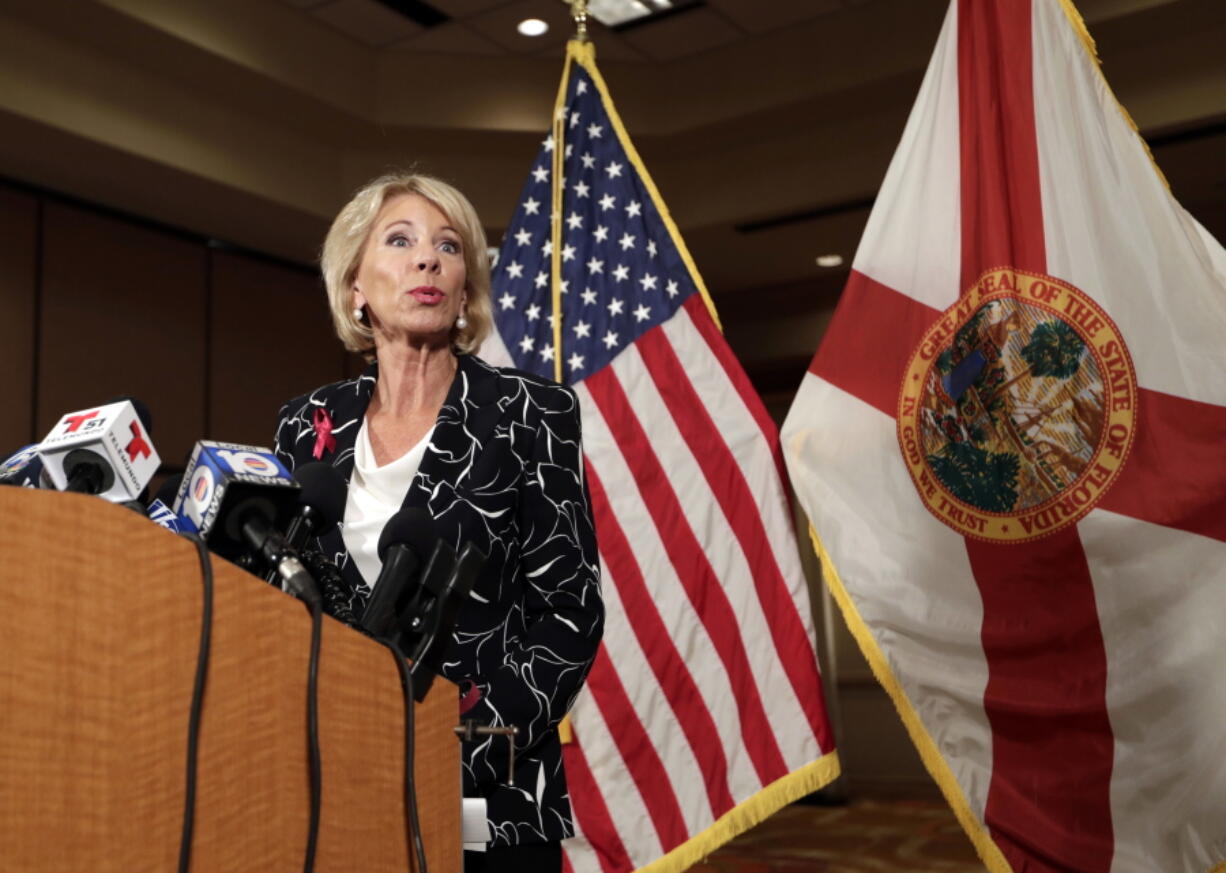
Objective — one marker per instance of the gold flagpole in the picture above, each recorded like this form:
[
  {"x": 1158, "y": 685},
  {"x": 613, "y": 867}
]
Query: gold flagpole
[
  {"x": 578, "y": 11},
  {"x": 557, "y": 131}
]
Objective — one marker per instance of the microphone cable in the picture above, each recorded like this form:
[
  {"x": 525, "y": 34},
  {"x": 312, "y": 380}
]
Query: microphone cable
[
  {"x": 316, "y": 765},
  {"x": 299, "y": 582},
  {"x": 412, "y": 823},
  {"x": 197, "y": 703},
  {"x": 193, "y": 721}
]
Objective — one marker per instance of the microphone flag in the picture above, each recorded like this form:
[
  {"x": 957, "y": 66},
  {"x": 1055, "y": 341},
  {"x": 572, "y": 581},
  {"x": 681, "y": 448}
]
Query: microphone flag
[
  {"x": 24, "y": 468},
  {"x": 111, "y": 435},
  {"x": 163, "y": 516},
  {"x": 220, "y": 476}
]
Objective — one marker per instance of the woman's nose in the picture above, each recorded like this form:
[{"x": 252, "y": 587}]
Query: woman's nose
[{"x": 427, "y": 261}]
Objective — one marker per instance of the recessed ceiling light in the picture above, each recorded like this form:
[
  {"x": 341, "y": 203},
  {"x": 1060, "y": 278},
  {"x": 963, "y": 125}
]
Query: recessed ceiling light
[
  {"x": 829, "y": 260},
  {"x": 532, "y": 27},
  {"x": 612, "y": 13}
]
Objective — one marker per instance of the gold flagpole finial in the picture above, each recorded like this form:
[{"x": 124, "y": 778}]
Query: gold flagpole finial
[{"x": 578, "y": 11}]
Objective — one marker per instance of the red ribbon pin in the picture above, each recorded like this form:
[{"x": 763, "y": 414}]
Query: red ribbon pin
[{"x": 324, "y": 441}]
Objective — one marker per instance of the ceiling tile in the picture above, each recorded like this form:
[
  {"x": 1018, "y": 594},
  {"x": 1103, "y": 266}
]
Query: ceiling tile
[
  {"x": 681, "y": 34},
  {"x": 612, "y": 46},
  {"x": 451, "y": 37},
  {"x": 757, "y": 17},
  {"x": 460, "y": 9},
  {"x": 367, "y": 21}
]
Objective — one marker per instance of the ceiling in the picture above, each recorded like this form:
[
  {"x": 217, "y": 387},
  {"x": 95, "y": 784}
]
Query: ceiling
[
  {"x": 767, "y": 126},
  {"x": 487, "y": 27}
]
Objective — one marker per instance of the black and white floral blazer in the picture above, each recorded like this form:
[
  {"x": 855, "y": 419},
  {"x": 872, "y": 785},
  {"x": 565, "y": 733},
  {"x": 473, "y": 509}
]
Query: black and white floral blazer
[{"x": 504, "y": 471}]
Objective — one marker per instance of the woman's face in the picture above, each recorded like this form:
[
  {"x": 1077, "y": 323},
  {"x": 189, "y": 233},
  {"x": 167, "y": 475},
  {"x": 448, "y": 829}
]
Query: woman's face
[{"x": 411, "y": 276}]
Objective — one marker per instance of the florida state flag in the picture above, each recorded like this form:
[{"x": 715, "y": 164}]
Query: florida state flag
[{"x": 1012, "y": 448}]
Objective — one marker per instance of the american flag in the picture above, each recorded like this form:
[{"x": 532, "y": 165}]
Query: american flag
[{"x": 703, "y": 713}]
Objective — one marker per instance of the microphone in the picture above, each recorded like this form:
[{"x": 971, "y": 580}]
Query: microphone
[
  {"x": 407, "y": 536},
  {"x": 321, "y": 502},
  {"x": 105, "y": 451},
  {"x": 238, "y": 497},
  {"x": 24, "y": 468},
  {"x": 251, "y": 522},
  {"x": 420, "y": 617},
  {"x": 221, "y": 476},
  {"x": 432, "y": 615},
  {"x": 321, "y": 505}
]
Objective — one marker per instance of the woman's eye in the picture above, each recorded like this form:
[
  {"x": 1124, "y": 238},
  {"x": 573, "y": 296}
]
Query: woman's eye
[
  {"x": 398, "y": 239},
  {"x": 450, "y": 247}
]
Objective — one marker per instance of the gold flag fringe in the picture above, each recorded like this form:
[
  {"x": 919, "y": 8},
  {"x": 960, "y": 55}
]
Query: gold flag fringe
[
  {"x": 924, "y": 744},
  {"x": 754, "y": 810}
]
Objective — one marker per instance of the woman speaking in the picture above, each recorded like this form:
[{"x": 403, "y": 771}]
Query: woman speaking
[{"x": 493, "y": 456}]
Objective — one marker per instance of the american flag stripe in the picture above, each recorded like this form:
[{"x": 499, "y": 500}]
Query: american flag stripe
[
  {"x": 642, "y": 495},
  {"x": 642, "y": 760},
  {"x": 728, "y": 484},
  {"x": 687, "y": 778},
  {"x": 601, "y": 843},
  {"x": 629, "y": 596},
  {"x": 722, "y": 385},
  {"x": 698, "y": 577},
  {"x": 718, "y": 392},
  {"x": 682, "y": 779},
  {"x": 721, "y": 749},
  {"x": 685, "y": 469},
  {"x": 724, "y": 389},
  {"x": 708, "y": 692},
  {"x": 597, "y": 741}
]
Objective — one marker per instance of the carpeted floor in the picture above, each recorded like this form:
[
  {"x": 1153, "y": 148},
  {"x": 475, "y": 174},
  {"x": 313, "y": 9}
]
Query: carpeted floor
[{"x": 865, "y": 836}]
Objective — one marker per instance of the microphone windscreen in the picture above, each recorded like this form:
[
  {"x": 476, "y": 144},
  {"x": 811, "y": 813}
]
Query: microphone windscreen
[
  {"x": 412, "y": 527},
  {"x": 104, "y": 450},
  {"x": 324, "y": 490}
]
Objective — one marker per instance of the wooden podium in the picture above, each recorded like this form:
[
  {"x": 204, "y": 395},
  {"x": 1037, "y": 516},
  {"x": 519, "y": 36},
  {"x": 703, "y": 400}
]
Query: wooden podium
[{"x": 100, "y": 616}]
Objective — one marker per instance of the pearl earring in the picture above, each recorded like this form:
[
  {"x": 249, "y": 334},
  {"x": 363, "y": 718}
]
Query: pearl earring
[
  {"x": 461, "y": 322},
  {"x": 358, "y": 312}
]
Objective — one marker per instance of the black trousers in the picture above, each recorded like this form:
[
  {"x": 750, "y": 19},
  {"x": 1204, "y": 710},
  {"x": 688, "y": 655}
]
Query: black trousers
[{"x": 528, "y": 858}]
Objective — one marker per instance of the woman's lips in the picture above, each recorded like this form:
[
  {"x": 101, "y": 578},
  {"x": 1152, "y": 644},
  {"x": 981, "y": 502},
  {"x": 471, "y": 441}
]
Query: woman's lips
[{"x": 427, "y": 294}]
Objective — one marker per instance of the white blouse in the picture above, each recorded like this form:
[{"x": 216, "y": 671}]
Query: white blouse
[{"x": 375, "y": 495}]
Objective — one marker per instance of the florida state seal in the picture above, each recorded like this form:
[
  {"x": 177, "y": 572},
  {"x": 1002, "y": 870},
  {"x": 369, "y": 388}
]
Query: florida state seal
[{"x": 1018, "y": 408}]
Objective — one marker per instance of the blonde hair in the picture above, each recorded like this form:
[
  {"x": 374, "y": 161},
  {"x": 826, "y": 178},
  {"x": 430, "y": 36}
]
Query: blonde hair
[{"x": 346, "y": 241}]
